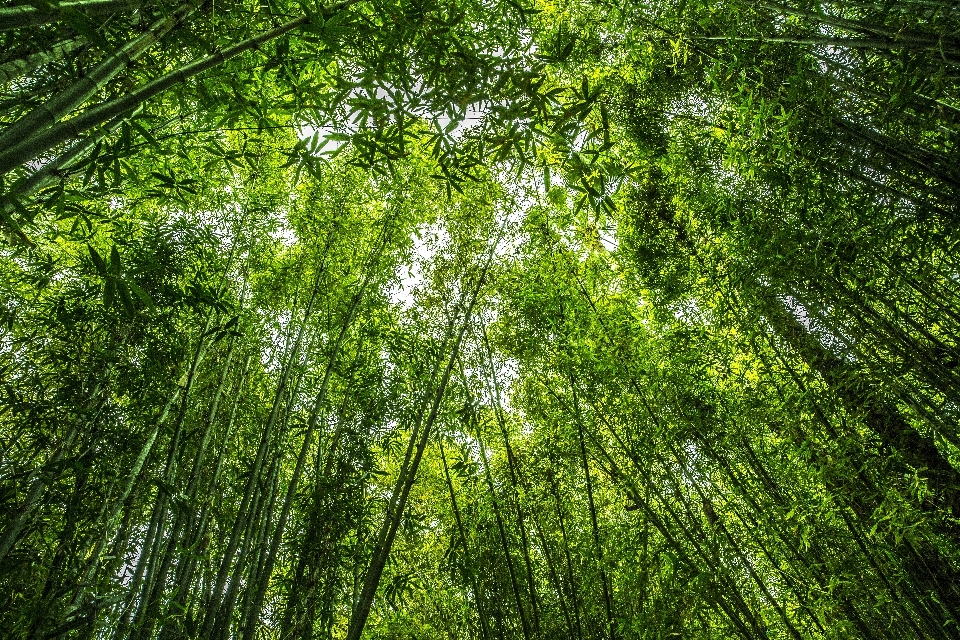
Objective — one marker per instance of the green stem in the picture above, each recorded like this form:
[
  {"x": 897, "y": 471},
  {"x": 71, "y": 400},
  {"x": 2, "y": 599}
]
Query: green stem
[
  {"x": 49, "y": 113},
  {"x": 14, "y": 69},
  {"x": 18, "y": 17}
]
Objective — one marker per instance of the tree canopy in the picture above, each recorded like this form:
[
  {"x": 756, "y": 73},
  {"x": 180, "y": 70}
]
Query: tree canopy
[{"x": 532, "y": 319}]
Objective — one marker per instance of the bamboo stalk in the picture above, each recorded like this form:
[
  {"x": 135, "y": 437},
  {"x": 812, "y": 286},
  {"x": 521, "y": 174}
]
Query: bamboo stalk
[
  {"x": 511, "y": 465},
  {"x": 501, "y": 530},
  {"x": 49, "y": 113},
  {"x": 40, "y": 143},
  {"x": 407, "y": 476},
  {"x": 10, "y": 71},
  {"x": 484, "y": 630},
  {"x": 25, "y": 15},
  {"x": 594, "y": 526},
  {"x": 321, "y": 396},
  {"x": 51, "y": 132},
  {"x": 212, "y": 615}
]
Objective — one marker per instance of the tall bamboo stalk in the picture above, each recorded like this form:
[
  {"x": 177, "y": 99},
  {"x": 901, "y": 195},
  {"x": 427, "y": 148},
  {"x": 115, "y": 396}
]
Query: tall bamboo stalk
[
  {"x": 418, "y": 442},
  {"x": 26, "y": 15},
  {"x": 10, "y": 71},
  {"x": 49, "y": 113}
]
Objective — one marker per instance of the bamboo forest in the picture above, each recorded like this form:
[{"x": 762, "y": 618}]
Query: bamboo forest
[{"x": 479, "y": 319}]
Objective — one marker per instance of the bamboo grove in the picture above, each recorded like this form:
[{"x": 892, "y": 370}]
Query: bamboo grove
[{"x": 518, "y": 319}]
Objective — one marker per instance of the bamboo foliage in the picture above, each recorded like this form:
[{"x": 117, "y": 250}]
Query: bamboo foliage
[{"x": 390, "y": 319}]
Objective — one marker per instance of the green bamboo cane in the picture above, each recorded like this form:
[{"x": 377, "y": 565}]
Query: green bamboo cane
[
  {"x": 501, "y": 531},
  {"x": 494, "y": 393},
  {"x": 594, "y": 526},
  {"x": 48, "y": 174},
  {"x": 571, "y": 582},
  {"x": 20, "y": 16},
  {"x": 880, "y": 416},
  {"x": 10, "y": 71},
  {"x": 554, "y": 576},
  {"x": 250, "y": 489},
  {"x": 407, "y": 477},
  {"x": 49, "y": 113},
  {"x": 481, "y": 614},
  {"x": 739, "y": 614},
  {"x": 187, "y": 568},
  {"x": 950, "y": 56},
  {"x": 345, "y": 326},
  {"x": 905, "y": 36},
  {"x": 47, "y": 139}
]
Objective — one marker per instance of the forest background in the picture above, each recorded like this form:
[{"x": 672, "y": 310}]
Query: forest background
[{"x": 491, "y": 319}]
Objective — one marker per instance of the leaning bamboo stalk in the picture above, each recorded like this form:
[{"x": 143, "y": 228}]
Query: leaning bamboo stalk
[
  {"x": 739, "y": 614},
  {"x": 49, "y": 113},
  {"x": 151, "y": 595},
  {"x": 346, "y": 323},
  {"x": 158, "y": 560},
  {"x": 941, "y": 572},
  {"x": 860, "y": 395},
  {"x": 717, "y": 523},
  {"x": 571, "y": 581},
  {"x": 50, "y": 171},
  {"x": 135, "y": 474},
  {"x": 14, "y": 69},
  {"x": 929, "y": 162},
  {"x": 753, "y": 525},
  {"x": 254, "y": 583},
  {"x": 210, "y": 618},
  {"x": 47, "y": 175},
  {"x": 371, "y": 580},
  {"x": 154, "y": 562},
  {"x": 56, "y": 133},
  {"x": 736, "y": 481},
  {"x": 408, "y": 473},
  {"x": 857, "y": 26},
  {"x": 223, "y": 604},
  {"x": 25, "y": 15},
  {"x": 46, "y": 140},
  {"x": 210, "y": 421},
  {"x": 901, "y": 343},
  {"x": 250, "y": 491},
  {"x": 96, "y": 553},
  {"x": 653, "y": 417}
]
